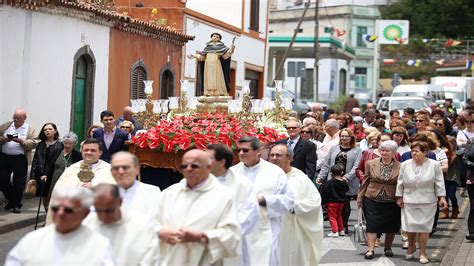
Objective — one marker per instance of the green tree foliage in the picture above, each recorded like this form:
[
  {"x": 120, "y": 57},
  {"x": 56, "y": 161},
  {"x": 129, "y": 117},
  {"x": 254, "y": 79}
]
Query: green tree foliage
[{"x": 435, "y": 18}]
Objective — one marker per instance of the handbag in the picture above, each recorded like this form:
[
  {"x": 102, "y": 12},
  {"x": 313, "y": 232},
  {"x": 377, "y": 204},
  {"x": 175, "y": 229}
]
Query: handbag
[
  {"x": 360, "y": 228},
  {"x": 30, "y": 190}
]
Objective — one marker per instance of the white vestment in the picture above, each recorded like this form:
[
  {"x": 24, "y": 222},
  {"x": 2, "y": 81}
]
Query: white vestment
[
  {"x": 302, "y": 231},
  {"x": 143, "y": 198},
  {"x": 132, "y": 243},
  {"x": 46, "y": 246},
  {"x": 245, "y": 200},
  {"x": 269, "y": 181},
  {"x": 69, "y": 178},
  {"x": 207, "y": 208}
]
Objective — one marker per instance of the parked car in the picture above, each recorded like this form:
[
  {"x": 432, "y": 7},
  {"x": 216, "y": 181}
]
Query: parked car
[
  {"x": 299, "y": 106},
  {"x": 386, "y": 104}
]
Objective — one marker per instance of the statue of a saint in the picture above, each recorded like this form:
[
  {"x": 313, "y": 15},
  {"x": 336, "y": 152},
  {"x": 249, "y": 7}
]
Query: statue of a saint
[{"x": 214, "y": 67}]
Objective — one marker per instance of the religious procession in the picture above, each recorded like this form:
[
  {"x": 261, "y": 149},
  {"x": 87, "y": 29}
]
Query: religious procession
[{"x": 199, "y": 132}]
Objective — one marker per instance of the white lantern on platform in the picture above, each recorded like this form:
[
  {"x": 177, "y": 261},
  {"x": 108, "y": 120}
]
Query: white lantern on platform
[
  {"x": 174, "y": 103},
  {"x": 148, "y": 87}
]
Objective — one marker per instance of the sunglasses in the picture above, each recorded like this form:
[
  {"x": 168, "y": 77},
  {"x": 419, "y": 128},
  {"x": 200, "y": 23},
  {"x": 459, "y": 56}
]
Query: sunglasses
[
  {"x": 292, "y": 128},
  {"x": 244, "y": 150},
  {"x": 118, "y": 167},
  {"x": 193, "y": 166},
  {"x": 124, "y": 127},
  {"x": 439, "y": 125},
  {"x": 67, "y": 210},
  {"x": 306, "y": 132},
  {"x": 419, "y": 120},
  {"x": 108, "y": 210}
]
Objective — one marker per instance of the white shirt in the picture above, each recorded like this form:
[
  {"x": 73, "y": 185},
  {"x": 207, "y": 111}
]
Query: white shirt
[{"x": 11, "y": 147}]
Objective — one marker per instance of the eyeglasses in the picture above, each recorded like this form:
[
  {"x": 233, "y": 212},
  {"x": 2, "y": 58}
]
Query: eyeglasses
[
  {"x": 193, "y": 166},
  {"x": 306, "y": 132},
  {"x": 125, "y": 127},
  {"x": 67, "y": 210},
  {"x": 291, "y": 128},
  {"x": 419, "y": 120},
  {"x": 108, "y": 210},
  {"x": 277, "y": 155},
  {"x": 439, "y": 125},
  {"x": 244, "y": 150},
  {"x": 118, "y": 167}
]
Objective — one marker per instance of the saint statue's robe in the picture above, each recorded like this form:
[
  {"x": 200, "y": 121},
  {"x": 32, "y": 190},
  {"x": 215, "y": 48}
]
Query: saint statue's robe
[
  {"x": 301, "y": 235},
  {"x": 271, "y": 182},
  {"x": 46, "y": 246},
  {"x": 245, "y": 200},
  {"x": 214, "y": 69},
  {"x": 69, "y": 178},
  {"x": 207, "y": 208},
  {"x": 142, "y": 198},
  {"x": 132, "y": 243}
]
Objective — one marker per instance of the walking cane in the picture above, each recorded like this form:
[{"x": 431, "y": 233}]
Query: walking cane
[{"x": 39, "y": 205}]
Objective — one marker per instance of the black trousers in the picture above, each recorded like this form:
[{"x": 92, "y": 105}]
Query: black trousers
[
  {"x": 470, "y": 219},
  {"x": 13, "y": 190},
  {"x": 346, "y": 211}
]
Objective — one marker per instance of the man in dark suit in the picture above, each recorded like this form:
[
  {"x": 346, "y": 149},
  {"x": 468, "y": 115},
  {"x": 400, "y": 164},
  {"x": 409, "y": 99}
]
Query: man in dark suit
[
  {"x": 304, "y": 152},
  {"x": 112, "y": 138}
]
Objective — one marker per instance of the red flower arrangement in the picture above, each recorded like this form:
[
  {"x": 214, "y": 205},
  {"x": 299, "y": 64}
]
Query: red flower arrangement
[{"x": 199, "y": 130}]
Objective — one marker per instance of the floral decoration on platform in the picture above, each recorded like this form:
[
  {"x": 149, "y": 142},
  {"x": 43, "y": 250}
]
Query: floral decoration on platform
[{"x": 198, "y": 130}]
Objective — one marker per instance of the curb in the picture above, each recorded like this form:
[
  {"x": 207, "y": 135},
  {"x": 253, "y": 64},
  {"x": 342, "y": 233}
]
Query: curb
[
  {"x": 458, "y": 239},
  {"x": 21, "y": 224}
]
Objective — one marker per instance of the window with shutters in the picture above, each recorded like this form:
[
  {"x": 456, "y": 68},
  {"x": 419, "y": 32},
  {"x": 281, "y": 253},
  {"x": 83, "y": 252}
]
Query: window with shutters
[
  {"x": 138, "y": 75},
  {"x": 254, "y": 14}
]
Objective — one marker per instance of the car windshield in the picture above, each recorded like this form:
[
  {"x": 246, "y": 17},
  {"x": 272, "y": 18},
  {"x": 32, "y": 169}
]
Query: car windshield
[
  {"x": 402, "y": 104},
  {"x": 408, "y": 93}
]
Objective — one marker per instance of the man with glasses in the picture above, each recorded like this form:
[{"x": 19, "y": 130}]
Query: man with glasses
[
  {"x": 197, "y": 220},
  {"x": 78, "y": 174},
  {"x": 67, "y": 241},
  {"x": 304, "y": 151},
  {"x": 136, "y": 195},
  {"x": 243, "y": 196},
  {"x": 273, "y": 196},
  {"x": 302, "y": 228},
  {"x": 17, "y": 139},
  {"x": 132, "y": 243}
]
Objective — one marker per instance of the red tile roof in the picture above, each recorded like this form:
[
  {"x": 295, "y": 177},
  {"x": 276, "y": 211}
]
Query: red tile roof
[{"x": 118, "y": 20}]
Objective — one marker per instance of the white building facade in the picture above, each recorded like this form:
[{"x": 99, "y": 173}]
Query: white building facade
[{"x": 38, "y": 53}]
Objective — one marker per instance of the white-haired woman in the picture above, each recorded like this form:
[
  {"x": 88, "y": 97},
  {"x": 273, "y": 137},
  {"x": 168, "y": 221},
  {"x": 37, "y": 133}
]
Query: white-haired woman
[
  {"x": 67, "y": 157},
  {"x": 377, "y": 198}
]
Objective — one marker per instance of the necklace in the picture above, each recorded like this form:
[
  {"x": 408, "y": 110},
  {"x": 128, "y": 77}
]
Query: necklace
[{"x": 66, "y": 159}]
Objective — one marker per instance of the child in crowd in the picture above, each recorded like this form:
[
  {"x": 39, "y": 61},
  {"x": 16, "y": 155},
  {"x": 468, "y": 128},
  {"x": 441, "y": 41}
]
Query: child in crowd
[{"x": 335, "y": 190}]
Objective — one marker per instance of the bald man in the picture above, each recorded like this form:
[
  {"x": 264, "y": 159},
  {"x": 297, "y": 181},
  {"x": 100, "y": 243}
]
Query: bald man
[
  {"x": 127, "y": 116},
  {"x": 355, "y": 111},
  {"x": 197, "y": 220},
  {"x": 17, "y": 139}
]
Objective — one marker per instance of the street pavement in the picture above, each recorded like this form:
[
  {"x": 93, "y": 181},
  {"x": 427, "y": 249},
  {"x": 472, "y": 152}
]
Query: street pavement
[{"x": 447, "y": 247}]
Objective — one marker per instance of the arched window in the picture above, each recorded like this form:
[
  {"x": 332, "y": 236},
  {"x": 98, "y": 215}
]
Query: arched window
[
  {"x": 139, "y": 73},
  {"x": 166, "y": 82}
]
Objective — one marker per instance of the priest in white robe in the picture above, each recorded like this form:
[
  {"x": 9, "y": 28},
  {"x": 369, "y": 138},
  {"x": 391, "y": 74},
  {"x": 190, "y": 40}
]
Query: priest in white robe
[
  {"x": 67, "y": 241},
  {"x": 132, "y": 243},
  {"x": 301, "y": 235},
  {"x": 197, "y": 219},
  {"x": 273, "y": 196},
  {"x": 243, "y": 194},
  {"x": 72, "y": 176},
  {"x": 136, "y": 195}
]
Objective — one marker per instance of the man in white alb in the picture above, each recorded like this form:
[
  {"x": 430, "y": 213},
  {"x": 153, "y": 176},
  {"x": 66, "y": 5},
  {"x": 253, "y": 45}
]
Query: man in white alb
[
  {"x": 302, "y": 228},
  {"x": 91, "y": 151},
  {"x": 197, "y": 219},
  {"x": 132, "y": 243},
  {"x": 66, "y": 242},
  {"x": 136, "y": 195},
  {"x": 244, "y": 196},
  {"x": 273, "y": 196}
]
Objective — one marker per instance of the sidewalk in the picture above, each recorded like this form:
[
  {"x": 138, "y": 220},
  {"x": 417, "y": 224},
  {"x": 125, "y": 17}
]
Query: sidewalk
[
  {"x": 12, "y": 221},
  {"x": 461, "y": 250}
]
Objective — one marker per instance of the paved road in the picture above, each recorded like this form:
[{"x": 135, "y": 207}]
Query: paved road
[
  {"x": 9, "y": 240},
  {"x": 343, "y": 251}
]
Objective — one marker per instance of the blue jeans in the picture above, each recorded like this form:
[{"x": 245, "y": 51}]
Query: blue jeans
[{"x": 451, "y": 187}]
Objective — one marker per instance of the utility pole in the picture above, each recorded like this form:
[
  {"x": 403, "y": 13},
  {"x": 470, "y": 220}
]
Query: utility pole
[{"x": 316, "y": 51}]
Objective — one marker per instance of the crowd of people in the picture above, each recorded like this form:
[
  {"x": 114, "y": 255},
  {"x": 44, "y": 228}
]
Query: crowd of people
[{"x": 404, "y": 172}]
